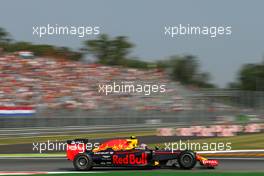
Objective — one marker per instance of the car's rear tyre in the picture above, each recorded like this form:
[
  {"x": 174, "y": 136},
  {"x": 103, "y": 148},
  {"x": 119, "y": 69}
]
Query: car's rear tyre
[
  {"x": 83, "y": 162},
  {"x": 187, "y": 160}
]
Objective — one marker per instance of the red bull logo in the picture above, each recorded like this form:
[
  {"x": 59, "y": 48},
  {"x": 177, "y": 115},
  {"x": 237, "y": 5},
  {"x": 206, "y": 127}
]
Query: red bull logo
[{"x": 130, "y": 159}]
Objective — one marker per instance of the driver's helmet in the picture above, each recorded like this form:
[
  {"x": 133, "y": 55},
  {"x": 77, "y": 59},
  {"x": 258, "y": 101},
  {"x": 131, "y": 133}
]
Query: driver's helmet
[
  {"x": 132, "y": 141},
  {"x": 133, "y": 137}
]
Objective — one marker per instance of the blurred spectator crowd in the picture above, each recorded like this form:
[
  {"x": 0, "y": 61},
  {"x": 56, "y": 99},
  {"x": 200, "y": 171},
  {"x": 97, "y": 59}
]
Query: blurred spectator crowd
[{"x": 49, "y": 83}]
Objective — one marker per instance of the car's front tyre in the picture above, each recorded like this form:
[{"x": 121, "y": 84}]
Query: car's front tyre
[
  {"x": 83, "y": 162},
  {"x": 187, "y": 160}
]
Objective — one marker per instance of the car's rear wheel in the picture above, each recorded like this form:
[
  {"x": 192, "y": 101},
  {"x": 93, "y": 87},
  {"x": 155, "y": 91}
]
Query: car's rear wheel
[
  {"x": 187, "y": 160},
  {"x": 82, "y": 162}
]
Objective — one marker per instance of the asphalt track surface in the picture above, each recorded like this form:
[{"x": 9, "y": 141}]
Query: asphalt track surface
[{"x": 63, "y": 165}]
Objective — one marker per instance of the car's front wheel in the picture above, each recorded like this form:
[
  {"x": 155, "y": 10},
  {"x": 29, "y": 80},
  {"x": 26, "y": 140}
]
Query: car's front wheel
[
  {"x": 187, "y": 160},
  {"x": 83, "y": 162}
]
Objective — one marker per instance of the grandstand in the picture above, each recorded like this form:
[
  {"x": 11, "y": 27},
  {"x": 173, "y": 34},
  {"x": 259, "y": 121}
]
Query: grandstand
[
  {"x": 57, "y": 88},
  {"x": 46, "y": 83}
]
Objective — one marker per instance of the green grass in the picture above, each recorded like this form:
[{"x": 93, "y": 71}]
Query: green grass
[{"x": 162, "y": 173}]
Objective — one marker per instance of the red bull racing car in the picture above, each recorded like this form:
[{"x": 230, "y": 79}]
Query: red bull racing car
[{"x": 127, "y": 153}]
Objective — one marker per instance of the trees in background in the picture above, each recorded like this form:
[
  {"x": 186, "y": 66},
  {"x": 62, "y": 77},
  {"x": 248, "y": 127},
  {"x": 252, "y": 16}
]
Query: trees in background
[
  {"x": 109, "y": 51},
  {"x": 43, "y": 50},
  {"x": 4, "y": 36},
  {"x": 8, "y": 45},
  {"x": 186, "y": 69},
  {"x": 250, "y": 77},
  {"x": 115, "y": 51},
  {"x": 4, "y": 39}
]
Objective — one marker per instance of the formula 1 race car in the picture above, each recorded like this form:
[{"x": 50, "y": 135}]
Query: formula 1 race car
[{"x": 126, "y": 153}]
